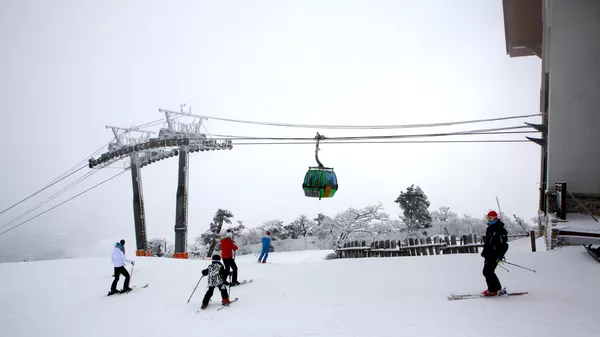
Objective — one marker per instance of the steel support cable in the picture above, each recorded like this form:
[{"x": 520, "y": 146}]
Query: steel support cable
[
  {"x": 66, "y": 188},
  {"x": 235, "y": 137},
  {"x": 455, "y": 133},
  {"x": 68, "y": 173},
  {"x": 58, "y": 179},
  {"x": 356, "y": 127},
  {"x": 390, "y": 142},
  {"x": 62, "y": 203}
]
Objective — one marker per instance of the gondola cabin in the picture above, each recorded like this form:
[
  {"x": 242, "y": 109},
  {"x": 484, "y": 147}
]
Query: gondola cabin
[{"x": 320, "y": 183}]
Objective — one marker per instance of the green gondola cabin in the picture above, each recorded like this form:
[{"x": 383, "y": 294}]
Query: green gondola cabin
[{"x": 320, "y": 183}]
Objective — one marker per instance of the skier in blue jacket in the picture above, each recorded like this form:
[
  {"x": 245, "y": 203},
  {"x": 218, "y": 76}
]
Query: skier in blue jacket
[{"x": 266, "y": 244}]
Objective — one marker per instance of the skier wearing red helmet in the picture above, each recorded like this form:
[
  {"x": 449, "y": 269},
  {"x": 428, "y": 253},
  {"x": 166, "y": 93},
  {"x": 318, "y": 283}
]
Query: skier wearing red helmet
[{"x": 494, "y": 248}]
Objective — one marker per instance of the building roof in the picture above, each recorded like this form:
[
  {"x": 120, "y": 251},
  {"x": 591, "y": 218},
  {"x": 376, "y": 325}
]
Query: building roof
[{"x": 523, "y": 27}]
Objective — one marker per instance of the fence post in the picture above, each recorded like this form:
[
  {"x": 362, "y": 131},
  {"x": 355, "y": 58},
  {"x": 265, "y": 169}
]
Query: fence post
[
  {"x": 437, "y": 249},
  {"x": 475, "y": 241},
  {"x": 362, "y": 250},
  {"x": 387, "y": 246},
  {"x": 424, "y": 249},
  {"x": 453, "y": 242},
  {"x": 411, "y": 244},
  {"x": 429, "y": 241},
  {"x": 532, "y": 236},
  {"x": 393, "y": 243},
  {"x": 447, "y": 241},
  {"x": 470, "y": 241}
]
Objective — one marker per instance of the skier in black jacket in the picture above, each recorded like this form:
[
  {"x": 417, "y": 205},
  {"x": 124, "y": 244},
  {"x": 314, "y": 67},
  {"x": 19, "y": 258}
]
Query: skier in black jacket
[
  {"x": 216, "y": 279},
  {"x": 494, "y": 248}
]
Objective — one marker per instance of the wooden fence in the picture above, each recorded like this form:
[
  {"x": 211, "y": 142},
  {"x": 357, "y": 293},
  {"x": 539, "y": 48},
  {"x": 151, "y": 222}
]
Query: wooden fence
[{"x": 465, "y": 244}]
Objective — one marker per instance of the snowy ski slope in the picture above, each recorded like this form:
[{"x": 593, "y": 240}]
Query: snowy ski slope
[{"x": 300, "y": 294}]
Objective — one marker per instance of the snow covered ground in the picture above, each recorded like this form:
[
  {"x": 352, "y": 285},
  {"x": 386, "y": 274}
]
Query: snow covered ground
[
  {"x": 301, "y": 294},
  {"x": 579, "y": 223}
]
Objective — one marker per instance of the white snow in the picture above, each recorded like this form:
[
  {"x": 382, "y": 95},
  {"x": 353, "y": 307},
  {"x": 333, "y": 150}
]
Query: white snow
[
  {"x": 579, "y": 223},
  {"x": 301, "y": 294}
]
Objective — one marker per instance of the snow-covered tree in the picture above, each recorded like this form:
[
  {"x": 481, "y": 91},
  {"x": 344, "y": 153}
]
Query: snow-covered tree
[
  {"x": 352, "y": 222},
  {"x": 198, "y": 248},
  {"x": 300, "y": 227},
  {"x": 321, "y": 229},
  {"x": 414, "y": 205},
  {"x": 222, "y": 216},
  {"x": 469, "y": 225},
  {"x": 278, "y": 231},
  {"x": 249, "y": 236},
  {"x": 515, "y": 225},
  {"x": 443, "y": 214},
  {"x": 237, "y": 230},
  {"x": 157, "y": 246}
]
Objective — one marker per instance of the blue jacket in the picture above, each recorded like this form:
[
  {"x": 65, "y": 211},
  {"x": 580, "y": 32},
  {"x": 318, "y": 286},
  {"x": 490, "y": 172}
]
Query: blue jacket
[{"x": 266, "y": 243}]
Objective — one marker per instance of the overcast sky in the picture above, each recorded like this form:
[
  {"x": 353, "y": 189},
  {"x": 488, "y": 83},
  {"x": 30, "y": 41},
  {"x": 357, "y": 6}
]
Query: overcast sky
[{"x": 68, "y": 68}]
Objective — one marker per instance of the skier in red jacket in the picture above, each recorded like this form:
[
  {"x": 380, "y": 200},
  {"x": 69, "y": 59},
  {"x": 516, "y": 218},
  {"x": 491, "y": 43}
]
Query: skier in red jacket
[{"x": 227, "y": 249}]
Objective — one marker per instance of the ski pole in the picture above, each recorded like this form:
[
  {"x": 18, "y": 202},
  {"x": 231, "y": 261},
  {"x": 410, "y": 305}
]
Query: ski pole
[
  {"x": 132, "y": 266},
  {"x": 195, "y": 289},
  {"x": 501, "y": 266},
  {"x": 516, "y": 265}
]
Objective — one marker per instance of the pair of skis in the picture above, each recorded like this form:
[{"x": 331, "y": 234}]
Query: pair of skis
[
  {"x": 132, "y": 289},
  {"x": 223, "y": 306},
  {"x": 453, "y": 297},
  {"x": 233, "y": 300}
]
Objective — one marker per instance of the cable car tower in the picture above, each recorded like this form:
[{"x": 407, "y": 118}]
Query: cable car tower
[
  {"x": 177, "y": 139},
  {"x": 122, "y": 141}
]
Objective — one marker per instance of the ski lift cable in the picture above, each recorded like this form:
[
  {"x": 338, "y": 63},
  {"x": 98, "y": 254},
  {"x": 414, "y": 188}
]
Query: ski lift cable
[
  {"x": 456, "y": 133},
  {"x": 62, "y": 203},
  {"x": 350, "y": 127}
]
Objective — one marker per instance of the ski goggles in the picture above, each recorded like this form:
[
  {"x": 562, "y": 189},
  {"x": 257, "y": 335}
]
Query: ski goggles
[{"x": 491, "y": 218}]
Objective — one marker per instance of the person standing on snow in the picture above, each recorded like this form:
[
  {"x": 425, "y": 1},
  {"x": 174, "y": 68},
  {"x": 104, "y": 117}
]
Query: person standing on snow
[
  {"x": 227, "y": 248},
  {"x": 266, "y": 244},
  {"x": 216, "y": 279},
  {"x": 494, "y": 248},
  {"x": 122, "y": 246},
  {"x": 119, "y": 260}
]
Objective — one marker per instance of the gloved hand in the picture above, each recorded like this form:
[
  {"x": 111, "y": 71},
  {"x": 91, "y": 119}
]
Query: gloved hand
[
  {"x": 501, "y": 259},
  {"x": 482, "y": 255},
  {"x": 205, "y": 272},
  {"x": 132, "y": 262}
]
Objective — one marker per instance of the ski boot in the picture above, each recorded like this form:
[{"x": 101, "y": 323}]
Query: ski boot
[
  {"x": 125, "y": 290},
  {"x": 225, "y": 302},
  {"x": 236, "y": 283},
  {"x": 204, "y": 306},
  {"x": 488, "y": 293}
]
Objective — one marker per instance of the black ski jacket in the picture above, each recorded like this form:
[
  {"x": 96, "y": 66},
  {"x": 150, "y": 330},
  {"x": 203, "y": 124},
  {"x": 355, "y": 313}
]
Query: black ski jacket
[
  {"x": 216, "y": 274},
  {"x": 496, "y": 242}
]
